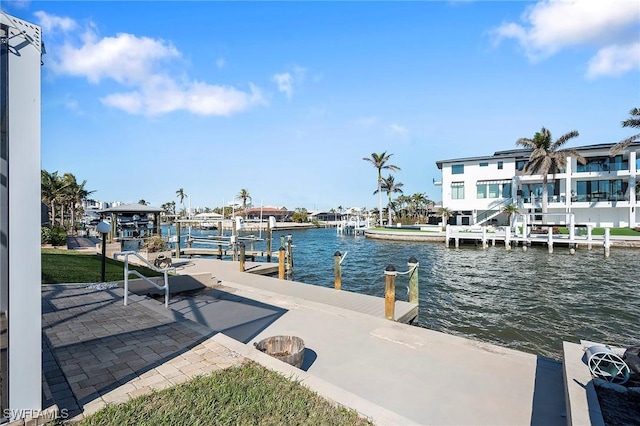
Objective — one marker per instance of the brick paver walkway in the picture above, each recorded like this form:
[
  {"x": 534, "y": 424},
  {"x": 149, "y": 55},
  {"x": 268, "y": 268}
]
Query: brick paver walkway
[{"x": 96, "y": 350}]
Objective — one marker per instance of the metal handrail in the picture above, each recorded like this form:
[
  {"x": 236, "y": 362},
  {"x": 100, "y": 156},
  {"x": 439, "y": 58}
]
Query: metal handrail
[{"x": 128, "y": 272}]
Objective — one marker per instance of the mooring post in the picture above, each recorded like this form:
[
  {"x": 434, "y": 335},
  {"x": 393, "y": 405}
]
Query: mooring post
[
  {"x": 550, "y": 238},
  {"x": 390, "y": 292},
  {"x": 413, "y": 280},
  {"x": 589, "y": 238},
  {"x": 447, "y": 235},
  {"x": 484, "y": 237},
  {"x": 607, "y": 242},
  {"x": 177, "y": 240},
  {"x": 220, "y": 239},
  {"x": 269, "y": 240},
  {"x": 337, "y": 270},
  {"x": 290, "y": 252},
  {"x": 281, "y": 263},
  {"x": 242, "y": 257},
  {"x": 507, "y": 238}
]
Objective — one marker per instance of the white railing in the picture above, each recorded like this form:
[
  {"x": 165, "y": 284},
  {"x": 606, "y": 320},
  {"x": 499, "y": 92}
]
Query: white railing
[{"x": 128, "y": 272}]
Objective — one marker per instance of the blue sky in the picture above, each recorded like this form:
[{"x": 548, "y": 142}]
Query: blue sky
[{"x": 284, "y": 99}]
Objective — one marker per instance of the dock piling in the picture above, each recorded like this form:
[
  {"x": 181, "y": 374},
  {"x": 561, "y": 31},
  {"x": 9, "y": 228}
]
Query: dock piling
[
  {"x": 413, "y": 280},
  {"x": 550, "y": 239},
  {"x": 281, "y": 263},
  {"x": 337, "y": 270},
  {"x": 390, "y": 292},
  {"x": 242, "y": 257},
  {"x": 607, "y": 242}
]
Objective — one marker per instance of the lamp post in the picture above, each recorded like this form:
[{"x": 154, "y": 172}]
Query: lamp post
[{"x": 103, "y": 228}]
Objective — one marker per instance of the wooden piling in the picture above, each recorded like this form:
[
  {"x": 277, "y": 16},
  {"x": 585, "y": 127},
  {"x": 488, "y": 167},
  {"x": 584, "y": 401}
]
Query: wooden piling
[
  {"x": 589, "y": 238},
  {"x": 507, "y": 238},
  {"x": 550, "y": 238},
  {"x": 269, "y": 235},
  {"x": 390, "y": 292},
  {"x": 337, "y": 270},
  {"x": 413, "y": 280},
  {"x": 220, "y": 235},
  {"x": 290, "y": 253},
  {"x": 281, "y": 263},
  {"x": 177, "y": 240},
  {"x": 607, "y": 242},
  {"x": 242, "y": 257}
]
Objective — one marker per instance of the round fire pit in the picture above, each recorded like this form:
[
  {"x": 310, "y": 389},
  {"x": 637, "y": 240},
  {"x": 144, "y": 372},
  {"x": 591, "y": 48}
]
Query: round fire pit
[{"x": 289, "y": 349}]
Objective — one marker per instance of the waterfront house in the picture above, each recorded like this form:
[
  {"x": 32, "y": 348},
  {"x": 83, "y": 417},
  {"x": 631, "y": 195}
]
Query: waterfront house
[{"x": 600, "y": 193}]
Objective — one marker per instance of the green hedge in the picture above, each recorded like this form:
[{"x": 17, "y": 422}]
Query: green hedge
[{"x": 54, "y": 236}]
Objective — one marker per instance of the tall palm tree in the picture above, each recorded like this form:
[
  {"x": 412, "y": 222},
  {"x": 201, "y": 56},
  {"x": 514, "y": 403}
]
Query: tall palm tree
[
  {"x": 546, "y": 159},
  {"x": 632, "y": 121},
  {"x": 244, "y": 196},
  {"x": 379, "y": 161},
  {"x": 181, "y": 194},
  {"x": 390, "y": 186}
]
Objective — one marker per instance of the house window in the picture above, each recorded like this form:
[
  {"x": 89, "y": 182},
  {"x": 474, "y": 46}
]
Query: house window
[
  {"x": 500, "y": 165},
  {"x": 482, "y": 191},
  {"x": 494, "y": 190},
  {"x": 457, "y": 190},
  {"x": 457, "y": 169},
  {"x": 520, "y": 165},
  {"x": 484, "y": 164},
  {"x": 506, "y": 190}
]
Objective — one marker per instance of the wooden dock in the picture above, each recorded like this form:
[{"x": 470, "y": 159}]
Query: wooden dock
[{"x": 225, "y": 252}]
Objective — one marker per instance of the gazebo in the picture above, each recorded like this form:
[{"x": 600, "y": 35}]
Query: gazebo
[{"x": 132, "y": 221}]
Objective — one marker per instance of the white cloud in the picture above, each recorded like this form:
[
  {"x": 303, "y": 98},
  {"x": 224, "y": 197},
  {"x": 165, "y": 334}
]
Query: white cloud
[
  {"x": 366, "y": 122},
  {"x": 552, "y": 25},
  {"x": 285, "y": 83},
  {"x": 141, "y": 64},
  {"x": 51, "y": 23},
  {"x": 397, "y": 130},
  {"x": 286, "y": 80},
  {"x": 615, "y": 60}
]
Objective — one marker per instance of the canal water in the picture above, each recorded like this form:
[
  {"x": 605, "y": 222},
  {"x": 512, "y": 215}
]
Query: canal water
[{"x": 530, "y": 301}]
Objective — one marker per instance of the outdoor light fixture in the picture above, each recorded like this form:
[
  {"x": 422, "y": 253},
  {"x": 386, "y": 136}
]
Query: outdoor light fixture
[{"x": 103, "y": 228}]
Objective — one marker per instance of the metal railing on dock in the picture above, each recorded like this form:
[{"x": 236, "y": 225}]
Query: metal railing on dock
[{"x": 128, "y": 272}]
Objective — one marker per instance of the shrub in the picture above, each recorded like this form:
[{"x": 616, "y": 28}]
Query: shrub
[
  {"x": 154, "y": 244},
  {"x": 55, "y": 236}
]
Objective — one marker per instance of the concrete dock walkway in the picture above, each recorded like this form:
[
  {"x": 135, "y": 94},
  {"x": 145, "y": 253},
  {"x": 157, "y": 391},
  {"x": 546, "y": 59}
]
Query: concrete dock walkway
[{"x": 102, "y": 351}]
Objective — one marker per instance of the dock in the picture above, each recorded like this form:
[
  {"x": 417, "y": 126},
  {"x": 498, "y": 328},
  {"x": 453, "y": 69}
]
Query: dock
[{"x": 229, "y": 272}]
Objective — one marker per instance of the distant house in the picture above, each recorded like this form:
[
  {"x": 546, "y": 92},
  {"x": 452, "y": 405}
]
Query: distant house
[
  {"x": 327, "y": 216},
  {"x": 256, "y": 213}
]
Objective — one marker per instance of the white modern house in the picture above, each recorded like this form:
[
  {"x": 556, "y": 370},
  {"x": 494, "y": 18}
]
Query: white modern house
[
  {"x": 600, "y": 193},
  {"x": 20, "y": 219}
]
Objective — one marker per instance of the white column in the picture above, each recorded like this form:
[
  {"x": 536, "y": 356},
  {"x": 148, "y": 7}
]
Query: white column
[{"x": 632, "y": 189}]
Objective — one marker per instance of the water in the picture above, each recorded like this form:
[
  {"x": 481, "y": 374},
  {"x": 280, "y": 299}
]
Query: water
[{"x": 530, "y": 301}]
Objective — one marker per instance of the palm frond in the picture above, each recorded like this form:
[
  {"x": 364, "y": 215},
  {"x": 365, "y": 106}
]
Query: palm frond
[{"x": 622, "y": 145}]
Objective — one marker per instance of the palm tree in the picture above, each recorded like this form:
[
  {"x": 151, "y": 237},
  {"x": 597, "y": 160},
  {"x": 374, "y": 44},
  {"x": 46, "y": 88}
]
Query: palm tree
[
  {"x": 390, "y": 187},
  {"x": 244, "y": 196},
  {"x": 379, "y": 161},
  {"x": 632, "y": 121},
  {"x": 181, "y": 194},
  {"x": 446, "y": 213},
  {"x": 510, "y": 211},
  {"x": 546, "y": 159}
]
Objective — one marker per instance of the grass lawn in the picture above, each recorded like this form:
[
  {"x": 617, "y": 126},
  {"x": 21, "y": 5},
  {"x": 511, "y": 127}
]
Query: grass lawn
[
  {"x": 245, "y": 395},
  {"x": 620, "y": 232},
  {"x": 68, "y": 266}
]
